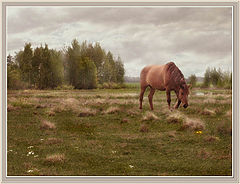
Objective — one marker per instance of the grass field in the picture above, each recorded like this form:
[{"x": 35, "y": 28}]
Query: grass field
[{"x": 102, "y": 132}]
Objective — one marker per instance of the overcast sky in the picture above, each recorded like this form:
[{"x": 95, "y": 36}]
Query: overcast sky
[{"x": 193, "y": 37}]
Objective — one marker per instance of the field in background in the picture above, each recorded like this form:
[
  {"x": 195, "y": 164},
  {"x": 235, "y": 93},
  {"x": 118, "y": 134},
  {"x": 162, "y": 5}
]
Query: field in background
[{"x": 102, "y": 132}]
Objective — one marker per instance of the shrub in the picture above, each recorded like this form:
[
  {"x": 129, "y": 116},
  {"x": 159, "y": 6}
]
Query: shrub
[
  {"x": 14, "y": 79},
  {"x": 65, "y": 87},
  {"x": 106, "y": 85}
]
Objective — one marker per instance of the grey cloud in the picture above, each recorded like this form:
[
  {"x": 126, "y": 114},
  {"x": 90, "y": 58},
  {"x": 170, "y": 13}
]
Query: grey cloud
[
  {"x": 189, "y": 36},
  {"x": 36, "y": 17}
]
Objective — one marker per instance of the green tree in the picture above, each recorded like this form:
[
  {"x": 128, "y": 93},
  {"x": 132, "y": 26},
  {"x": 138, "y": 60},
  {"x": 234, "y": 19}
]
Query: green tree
[
  {"x": 193, "y": 80},
  {"x": 119, "y": 69},
  {"x": 56, "y": 69},
  {"x": 216, "y": 76},
  {"x": 106, "y": 72},
  {"x": 111, "y": 67},
  {"x": 82, "y": 70},
  {"x": 25, "y": 63},
  {"x": 87, "y": 74},
  {"x": 10, "y": 61},
  {"x": 72, "y": 54},
  {"x": 207, "y": 78},
  {"x": 36, "y": 64},
  {"x": 13, "y": 74}
]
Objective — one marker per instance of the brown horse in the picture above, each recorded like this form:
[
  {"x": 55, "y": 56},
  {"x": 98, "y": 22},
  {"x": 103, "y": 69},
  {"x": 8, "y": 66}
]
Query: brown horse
[{"x": 167, "y": 78}]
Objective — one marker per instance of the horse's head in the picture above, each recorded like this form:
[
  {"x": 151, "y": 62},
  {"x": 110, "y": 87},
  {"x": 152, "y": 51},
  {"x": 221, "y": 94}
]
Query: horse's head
[{"x": 183, "y": 93}]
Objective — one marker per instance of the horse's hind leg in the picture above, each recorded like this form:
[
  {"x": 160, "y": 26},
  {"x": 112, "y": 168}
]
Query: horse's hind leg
[
  {"x": 168, "y": 92},
  {"x": 143, "y": 88},
  {"x": 150, "y": 97}
]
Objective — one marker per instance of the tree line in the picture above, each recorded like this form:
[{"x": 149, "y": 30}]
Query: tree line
[
  {"x": 84, "y": 66},
  {"x": 213, "y": 78}
]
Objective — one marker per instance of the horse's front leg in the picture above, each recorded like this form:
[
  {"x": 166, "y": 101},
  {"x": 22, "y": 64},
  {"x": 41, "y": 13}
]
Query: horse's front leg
[
  {"x": 168, "y": 92},
  {"x": 178, "y": 101},
  {"x": 177, "y": 104}
]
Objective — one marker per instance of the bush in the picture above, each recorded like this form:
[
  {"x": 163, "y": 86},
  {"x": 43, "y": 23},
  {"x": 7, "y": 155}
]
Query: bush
[
  {"x": 193, "y": 80},
  {"x": 14, "y": 79},
  {"x": 99, "y": 86},
  {"x": 106, "y": 85},
  {"x": 217, "y": 78},
  {"x": 64, "y": 87}
]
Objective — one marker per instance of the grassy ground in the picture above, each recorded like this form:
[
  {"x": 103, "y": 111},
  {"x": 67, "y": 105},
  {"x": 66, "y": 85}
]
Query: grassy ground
[{"x": 102, "y": 132}]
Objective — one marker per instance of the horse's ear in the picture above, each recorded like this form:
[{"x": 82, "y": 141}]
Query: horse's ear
[{"x": 189, "y": 86}]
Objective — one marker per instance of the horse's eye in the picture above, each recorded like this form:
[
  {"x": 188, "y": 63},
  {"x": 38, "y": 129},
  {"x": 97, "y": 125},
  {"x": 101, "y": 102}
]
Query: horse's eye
[{"x": 182, "y": 93}]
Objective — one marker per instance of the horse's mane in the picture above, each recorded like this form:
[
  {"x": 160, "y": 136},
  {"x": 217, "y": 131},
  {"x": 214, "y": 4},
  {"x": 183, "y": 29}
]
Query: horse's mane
[{"x": 174, "y": 72}]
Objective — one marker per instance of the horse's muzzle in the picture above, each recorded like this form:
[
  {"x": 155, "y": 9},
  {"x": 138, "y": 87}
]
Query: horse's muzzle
[{"x": 185, "y": 106}]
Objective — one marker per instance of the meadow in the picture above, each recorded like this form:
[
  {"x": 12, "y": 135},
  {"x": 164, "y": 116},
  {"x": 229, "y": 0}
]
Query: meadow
[{"x": 102, "y": 132}]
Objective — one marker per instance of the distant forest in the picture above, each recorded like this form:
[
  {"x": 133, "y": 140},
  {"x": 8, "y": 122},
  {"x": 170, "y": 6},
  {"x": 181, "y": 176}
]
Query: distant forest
[
  {"x": 83, "y": 66},
  {"x": 212, "y": 78}
]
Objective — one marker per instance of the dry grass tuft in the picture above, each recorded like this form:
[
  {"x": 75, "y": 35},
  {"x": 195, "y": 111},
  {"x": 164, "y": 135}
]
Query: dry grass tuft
[
  {"x": 149, "y": 116},
  {"x": 124, "y": 120},
  {"x": 172, "y": 134},
  {"x": 99, "y": 101},
  {"x": 122, "y": 101},
  {"x": 68, "y": 104},
  {"x": 144, "y": 128},
  {"x": 70, "y": 101},
  {"x": 209, "y": 100},
  {"x": 192, "y": 124},
  {"x": 11, "y": 99},
  {"x": 40, "y": 106},
  {"x": 132, "y": 112},
  {"x": 58, "y": 109},
  {"x": 229, "y": 113},
  {"x": 211, "y": 138},
  {"x": 112, "y": 110},
  {"x": 51, "y": 113},
  {"x": 87, "y": 112},
  {"x": 123, "y": 145},
  {"x": 175, "y": 118},
  {"x": 208, "y": 112},
  {"x": 203, "y": 154},
  {"x": 53, "y": 141},
  {"x": 47, "y": 125},
  {"x": 225, "y": 128},
  {"x": 55, "y": 158},
  {"x": 11, "y": 108}
]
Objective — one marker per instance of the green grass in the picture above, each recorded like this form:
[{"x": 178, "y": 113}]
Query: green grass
[{"x": 113, "y": 143}]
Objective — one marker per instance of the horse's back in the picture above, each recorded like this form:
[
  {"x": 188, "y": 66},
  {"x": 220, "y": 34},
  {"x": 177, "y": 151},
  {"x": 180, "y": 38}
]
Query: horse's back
[{"x": 154, "y": 76}]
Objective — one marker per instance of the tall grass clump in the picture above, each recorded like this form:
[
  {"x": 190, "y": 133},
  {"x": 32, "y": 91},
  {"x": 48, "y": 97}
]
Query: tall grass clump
[
  {"x": 55, "y": 158},
  {"x": 47, "y": 125},
  {"x": 149, "y": 116}
]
